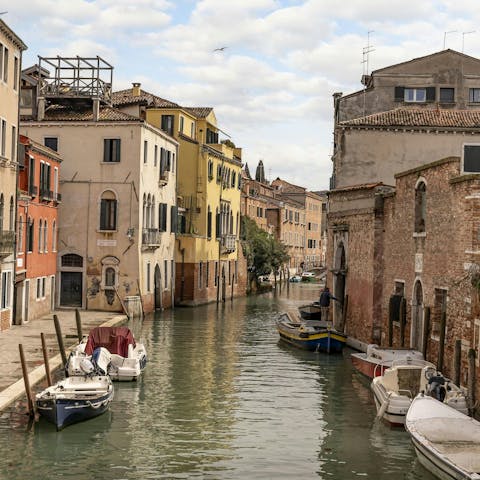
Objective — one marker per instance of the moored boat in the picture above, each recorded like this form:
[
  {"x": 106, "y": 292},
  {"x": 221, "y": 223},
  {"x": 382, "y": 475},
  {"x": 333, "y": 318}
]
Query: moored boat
[
  {"x": 312, "y": 311},
  {"x": 394, "y": 391},
  {"x": 126, "y": 357},
  {"x": 446, "y": 441},
  {"x": 75, "y": 399},
  {"x": 310, "y": 334},
  {"x": 377, "y": 359}
]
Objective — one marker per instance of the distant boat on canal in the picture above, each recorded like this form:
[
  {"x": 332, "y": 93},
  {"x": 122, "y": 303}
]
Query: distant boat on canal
[
  {"x": 312, "y": 311},
  {"x": 310, "y": 335}
]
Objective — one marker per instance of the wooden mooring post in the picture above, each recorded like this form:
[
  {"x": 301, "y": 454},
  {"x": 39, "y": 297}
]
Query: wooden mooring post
[
  {"x": 79, "y": 325},
  {"x": 58, "y": 330},
  {"x": 426, "y": 330},
  {"x": 471, "y": 381},
  {"x": 403, "y": 320},
  {"x": 31, "y": 411},
  {"x": 45, "y": 360},
  {"x": 457, "y": 362}
]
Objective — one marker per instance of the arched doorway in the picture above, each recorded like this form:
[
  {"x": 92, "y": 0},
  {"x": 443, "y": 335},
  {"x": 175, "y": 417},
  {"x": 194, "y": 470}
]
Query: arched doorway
[
  {"x": 71, "y": 280},
  {"x": 158, "y": 288},
  {"x": 339, "y": 285},
  {"x": 417, "y": 317}
]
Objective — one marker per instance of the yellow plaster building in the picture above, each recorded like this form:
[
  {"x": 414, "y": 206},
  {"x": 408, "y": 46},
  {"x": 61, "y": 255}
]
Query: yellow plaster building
[{"x": 208, "y": 197}]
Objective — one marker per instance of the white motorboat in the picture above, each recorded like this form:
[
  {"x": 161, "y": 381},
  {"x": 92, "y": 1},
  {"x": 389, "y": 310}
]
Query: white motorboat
[
  {"x": 446, "y": 441},
  {"x": 397, "y": 387},
  {"x": 77, "y": 398},
  {"x": 125, "y": 357},
  {"x": 377, "y": 359}
]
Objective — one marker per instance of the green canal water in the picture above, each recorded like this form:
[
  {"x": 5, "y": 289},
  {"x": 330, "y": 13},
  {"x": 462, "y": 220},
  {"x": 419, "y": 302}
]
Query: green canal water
[{"x": 221, "y": 398}]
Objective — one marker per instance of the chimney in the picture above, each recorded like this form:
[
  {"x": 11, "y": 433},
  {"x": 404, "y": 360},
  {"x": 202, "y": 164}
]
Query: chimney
[
  {"x": 136, "y": 89},
  {"x": 96, "y": 109}
]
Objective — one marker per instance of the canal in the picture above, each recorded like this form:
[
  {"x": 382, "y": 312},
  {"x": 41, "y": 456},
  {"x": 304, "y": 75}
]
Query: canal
[{"x": 222, "y": 398}]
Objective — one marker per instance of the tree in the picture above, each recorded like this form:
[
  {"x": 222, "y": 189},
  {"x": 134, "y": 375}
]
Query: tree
[{"x": 264, "y": 253}]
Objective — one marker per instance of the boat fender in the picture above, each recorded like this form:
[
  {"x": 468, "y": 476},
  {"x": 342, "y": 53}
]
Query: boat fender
[{"x": 384, "y": 406}]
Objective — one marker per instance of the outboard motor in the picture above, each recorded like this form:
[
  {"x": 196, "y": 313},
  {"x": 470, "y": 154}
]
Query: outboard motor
[
  {"x": 101, "y": 359},
  {"x": 86, "y": 366}
]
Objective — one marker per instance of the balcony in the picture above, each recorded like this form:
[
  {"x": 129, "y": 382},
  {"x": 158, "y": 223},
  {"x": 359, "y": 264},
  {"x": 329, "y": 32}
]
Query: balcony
[
  {"x": 163, "y": 180},
  {"x": 228, "y": 243},
  {"x": 57, "y": 197},
  {"x": 7, "y": 243},
  {"x": 46, "y": 195},
  {"x": 33, "y": 190},
  {"x": 150, "y": 238}
]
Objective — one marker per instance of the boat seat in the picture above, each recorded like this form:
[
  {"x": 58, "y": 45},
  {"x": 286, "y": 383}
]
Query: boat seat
[
  {"x": 408, "y": 381},
  {"x": 448, "y": 430},
  {"x": 117, "y": 360}
]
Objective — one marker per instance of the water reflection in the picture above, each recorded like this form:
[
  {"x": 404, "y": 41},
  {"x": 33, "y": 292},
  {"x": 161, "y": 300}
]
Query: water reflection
[{"x": 222, "y": 398}]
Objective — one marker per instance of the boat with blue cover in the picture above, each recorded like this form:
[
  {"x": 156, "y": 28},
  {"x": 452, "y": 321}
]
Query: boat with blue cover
[{"x": 311, "y": 335}]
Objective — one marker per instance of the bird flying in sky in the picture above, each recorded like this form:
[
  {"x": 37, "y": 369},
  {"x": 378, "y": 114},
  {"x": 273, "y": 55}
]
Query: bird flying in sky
[{"x": 221, "y": 49}]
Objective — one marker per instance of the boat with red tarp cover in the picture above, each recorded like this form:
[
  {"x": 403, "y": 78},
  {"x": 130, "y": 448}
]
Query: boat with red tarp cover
[{"x": 126, "y": 357}]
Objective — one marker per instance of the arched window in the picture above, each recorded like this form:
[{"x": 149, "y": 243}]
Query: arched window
[
  {"x": 152, "y": 212},
  {"x": 30, "y": 234},
  {"x": 144, "y": 217},
  {"x": 54, "y": 236},
  {"x": 110, "y": 271},
  {"x": 40, "y": 235},
  {"x": 45, "y": 236},
  {"x": 72, "y": 260},
  {"x": 209, "y": 222},
  {"x": 420, "y": 207},
  {"x": 12, "y": 215},
  {"x": 20, "y": 234},
  {"x": 108, "y": 211}
]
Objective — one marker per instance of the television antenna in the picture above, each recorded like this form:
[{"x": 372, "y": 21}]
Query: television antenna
[
  {"x": 445, "y": 37},
  {"x": 366, "y": 57},
  {"x": 463, "y": 37}
]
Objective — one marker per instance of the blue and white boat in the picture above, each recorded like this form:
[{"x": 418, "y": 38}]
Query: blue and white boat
[
  {"x": 311, "y": 335},
  {"x": 76, "y": 398}
]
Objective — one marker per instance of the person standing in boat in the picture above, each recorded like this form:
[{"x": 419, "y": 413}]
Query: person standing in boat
[{"x": 324, "y": 302}]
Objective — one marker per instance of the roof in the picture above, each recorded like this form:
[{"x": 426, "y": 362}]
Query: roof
[
  {"x": 419, "y": 117},
  {"x": 58, "y": 113},
  {"x": 199, "y": 112},
  {"x": 126, "y": 97},
  {"x": 431, "y": 55},
  {"x": 12, "y": 36},
  {"x": 361, "y": 186}
]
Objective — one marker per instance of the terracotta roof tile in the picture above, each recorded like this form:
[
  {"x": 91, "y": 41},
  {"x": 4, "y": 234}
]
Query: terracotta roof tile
[
  {"x": 199, "y": 112},
  {"x": 419, "y": 117},
  {"x": 68, "y": 114},
  {"x": 126, "y": 97}
]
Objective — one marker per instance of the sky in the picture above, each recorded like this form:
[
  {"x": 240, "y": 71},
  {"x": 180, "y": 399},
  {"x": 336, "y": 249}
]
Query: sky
[{"x": 271, "y": 87}]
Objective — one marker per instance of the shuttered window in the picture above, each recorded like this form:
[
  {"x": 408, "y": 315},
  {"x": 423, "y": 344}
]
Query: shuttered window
[
  {"x": 162, "y": 217},
  {"x": 111, "y": 150},
  {"x": 173, "y": 219}
]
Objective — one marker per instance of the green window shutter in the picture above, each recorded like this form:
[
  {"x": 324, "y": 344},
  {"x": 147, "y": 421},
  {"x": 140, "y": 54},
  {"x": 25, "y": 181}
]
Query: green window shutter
[
  {"x": 399, "y": 94},
  {"x": 173, "y": 219},
  {"x": 430, "y": 94},
  {"x": 106, "y": 150}
]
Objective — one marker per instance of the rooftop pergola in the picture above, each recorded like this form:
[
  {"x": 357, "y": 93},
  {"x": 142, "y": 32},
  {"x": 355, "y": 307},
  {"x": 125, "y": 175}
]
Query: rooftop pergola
[{"x": 76, "y": 78}]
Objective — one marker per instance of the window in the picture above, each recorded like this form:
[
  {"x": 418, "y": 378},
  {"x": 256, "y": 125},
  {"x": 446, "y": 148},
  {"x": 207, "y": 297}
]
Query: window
[
  {"x": 180, "y": 127},
  {"x": 148, "y": 277},
  {"x": 233, "y": 179},
  {"x": 162, "y": 217},
  {"x": 173, "y": 218},
  {"x": 45, "y": 236},
  {"x": 13, "y": 157},
  {"x": 212, "y": 137},
  {"x": 167, "y": 124},
  {"x": 11, "y": 219},
  {"x": 41, "y": 287},
  {"x": 209, "y": 223},
  {"x": 210, "y": 170},
  {"x": 30, "y": 235},
  {"x": 420, "y": 207},
  {"x": 415, "y": 95},
  {"x": 72, "y": 260},
  {"x": 6, "y": 289},
  {"x": 40, "y": 235},
  {"x": 155, "y": 156},
  {"x": 20, "y": 234},
  {"x": 55, "y": 183},
  {"x": 447, "y": 95},
  {"x": 51, "y": 142},
  {"x": 32, "y": 189},
  {"x": 471, "y": 158},
  {"x": 145, "y": 151},
  {"x": 54, "y": 236},
  {"x": 5, "y": 65},
  {"x": 1, "y": 60},
  {"x": 15, "y": 73},
  {"x": 474, "y": 95},
  {"x": 108, "y": 211},
  {"x": 192, "y": 130},
  {"x": 111, "y": 150},
  {"x": 3, "y": 137},
  {"x": 109, "y": 277}
]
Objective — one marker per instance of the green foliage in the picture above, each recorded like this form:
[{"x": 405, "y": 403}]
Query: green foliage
[
  {"x": 264, "y": 253},
  {"x": 228, "y": 143}
]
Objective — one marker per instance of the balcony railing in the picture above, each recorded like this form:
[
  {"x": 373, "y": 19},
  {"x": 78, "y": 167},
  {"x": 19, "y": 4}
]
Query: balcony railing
[
  {"x": 46, "y": 194},
  {"x": 151, "y": 238},
  {"x": 228, "y": 243},
  {"x": 163, "y": 179},
  {"x": 33, "y": 190},
  {"x": 7, "y": 243}
]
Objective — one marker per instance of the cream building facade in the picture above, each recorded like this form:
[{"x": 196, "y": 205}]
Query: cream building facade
[
  {"x": 118, "y": 215},
  {"x": 11, "y": 48}
]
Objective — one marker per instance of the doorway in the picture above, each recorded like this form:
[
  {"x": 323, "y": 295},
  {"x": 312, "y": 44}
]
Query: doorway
[
  {"x": 71, "y": 289},
  {"x": 339, "y": 281},
  {"x": 157, "y": 280}
]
